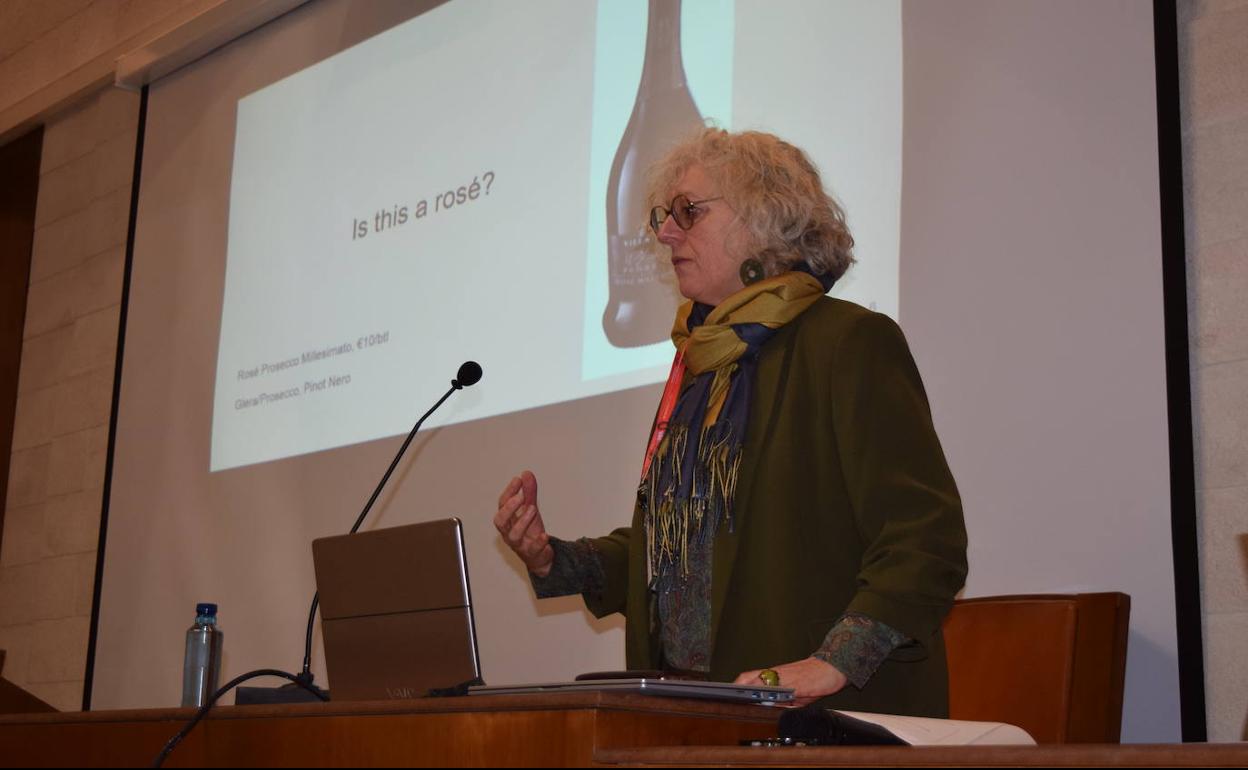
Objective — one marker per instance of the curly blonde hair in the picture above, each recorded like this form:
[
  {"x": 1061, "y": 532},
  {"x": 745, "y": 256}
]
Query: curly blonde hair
[{"x": 776, "y": 192}]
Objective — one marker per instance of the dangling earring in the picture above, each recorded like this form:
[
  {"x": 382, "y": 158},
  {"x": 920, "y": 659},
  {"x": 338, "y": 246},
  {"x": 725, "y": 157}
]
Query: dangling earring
[{"x": 752, "y": 271}]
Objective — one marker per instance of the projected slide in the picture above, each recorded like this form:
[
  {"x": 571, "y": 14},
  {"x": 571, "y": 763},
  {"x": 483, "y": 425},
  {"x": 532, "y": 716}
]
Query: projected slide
[{"x": 468, "y": 186}]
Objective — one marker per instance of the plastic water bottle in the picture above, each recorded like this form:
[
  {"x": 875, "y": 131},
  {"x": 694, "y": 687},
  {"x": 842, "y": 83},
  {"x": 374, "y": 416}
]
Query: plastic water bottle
[{"x": 201, "y": 672}]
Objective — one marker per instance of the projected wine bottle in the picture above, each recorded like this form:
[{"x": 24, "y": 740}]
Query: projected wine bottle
[{"x": 642, "y": 304}]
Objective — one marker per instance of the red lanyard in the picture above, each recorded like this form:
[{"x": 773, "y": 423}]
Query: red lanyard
[{"x": 666, "y": 406}]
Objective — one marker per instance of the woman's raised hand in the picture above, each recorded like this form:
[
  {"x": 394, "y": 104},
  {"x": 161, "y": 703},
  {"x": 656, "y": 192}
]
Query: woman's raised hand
[{"x": 520, "y": 523}]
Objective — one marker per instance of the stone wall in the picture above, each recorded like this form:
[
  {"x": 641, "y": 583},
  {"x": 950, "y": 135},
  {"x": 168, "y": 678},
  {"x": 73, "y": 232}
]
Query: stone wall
[
  {"x": 1213, "y": 60},
  {"x": 69, "y": 349}
]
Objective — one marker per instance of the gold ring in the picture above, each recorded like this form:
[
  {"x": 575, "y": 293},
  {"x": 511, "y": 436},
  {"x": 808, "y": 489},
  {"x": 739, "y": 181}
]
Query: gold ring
[{"x": 770, "y": 677}]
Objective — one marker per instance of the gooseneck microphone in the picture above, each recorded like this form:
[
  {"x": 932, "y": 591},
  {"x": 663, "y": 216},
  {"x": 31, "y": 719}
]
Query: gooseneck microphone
[{"x": 469, "y": 374}]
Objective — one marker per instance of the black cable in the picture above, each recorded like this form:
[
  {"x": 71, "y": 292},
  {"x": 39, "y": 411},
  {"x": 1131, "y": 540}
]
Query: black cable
[{"x": 203, "y": 710}]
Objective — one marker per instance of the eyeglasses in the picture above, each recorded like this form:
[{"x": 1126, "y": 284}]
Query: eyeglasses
[{"x": 683, "y": 210}]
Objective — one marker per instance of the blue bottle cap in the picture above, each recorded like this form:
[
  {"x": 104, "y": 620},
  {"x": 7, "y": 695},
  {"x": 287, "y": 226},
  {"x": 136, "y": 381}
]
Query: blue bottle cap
[{"x": 205, "y": 609}]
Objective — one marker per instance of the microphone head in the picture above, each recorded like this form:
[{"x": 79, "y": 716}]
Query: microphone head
[{"x": 469, "y": 374}]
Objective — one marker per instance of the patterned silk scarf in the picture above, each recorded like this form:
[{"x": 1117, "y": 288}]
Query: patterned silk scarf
[{"x": 689, "y": 476}]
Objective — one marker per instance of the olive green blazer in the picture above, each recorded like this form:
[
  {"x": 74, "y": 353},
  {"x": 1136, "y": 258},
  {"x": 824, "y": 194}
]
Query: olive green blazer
[{"x": 845, "y": 504}]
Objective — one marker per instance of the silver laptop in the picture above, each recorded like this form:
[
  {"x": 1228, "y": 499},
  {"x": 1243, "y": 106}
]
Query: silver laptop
[
  {"x": 396, "y": 611},
  {"x": 671, "y": 688}
]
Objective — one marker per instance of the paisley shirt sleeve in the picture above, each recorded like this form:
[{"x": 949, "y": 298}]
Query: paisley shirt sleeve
[
  {"x": 577, "y": 569},
  {"x": 857, "y": 645}
]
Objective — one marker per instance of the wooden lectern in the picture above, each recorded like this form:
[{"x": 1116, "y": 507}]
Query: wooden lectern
[{"x": 564, "y": 730}]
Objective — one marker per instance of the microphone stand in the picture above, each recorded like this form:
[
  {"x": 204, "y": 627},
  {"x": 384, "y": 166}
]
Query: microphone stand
[
  {"x": 469, "y": 373},
  {"x": 304, "y": 679}
]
